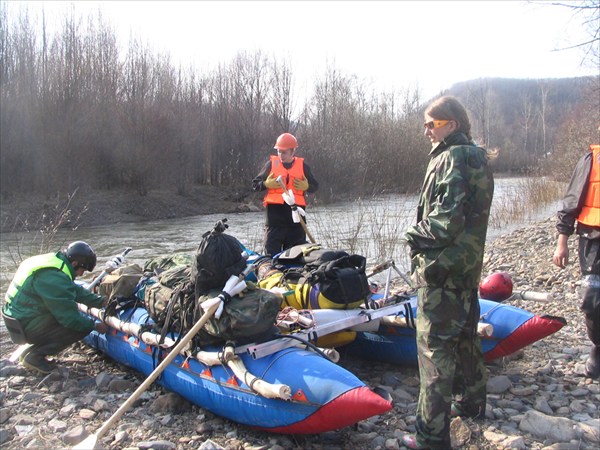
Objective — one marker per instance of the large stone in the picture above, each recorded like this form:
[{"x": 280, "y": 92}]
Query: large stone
[
  {"x": 156, "y": 445},
  {"x": 556, "y": 429},
  {"x": 498, "y": 384},
  {"x": 75, "y": 435}
]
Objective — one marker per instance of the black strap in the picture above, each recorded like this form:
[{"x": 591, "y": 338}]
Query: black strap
[
  {"x": 175, "y": 297},
  {"x": 410, "y": 317}
]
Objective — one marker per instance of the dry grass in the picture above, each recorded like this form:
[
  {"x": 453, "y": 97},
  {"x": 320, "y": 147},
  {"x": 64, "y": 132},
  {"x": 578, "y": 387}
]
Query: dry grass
[
  {"x": 524, "y": 198},
  {"x": 375, "y": 227}
]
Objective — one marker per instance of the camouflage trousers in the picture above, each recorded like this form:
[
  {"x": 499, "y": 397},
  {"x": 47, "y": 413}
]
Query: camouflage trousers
[{"x": 451, "y": 363}]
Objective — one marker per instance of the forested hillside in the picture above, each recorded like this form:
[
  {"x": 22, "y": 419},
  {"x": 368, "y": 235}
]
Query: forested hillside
[
  {"x": 80, "y": 111},
  {"x": 529, "y": 120}
]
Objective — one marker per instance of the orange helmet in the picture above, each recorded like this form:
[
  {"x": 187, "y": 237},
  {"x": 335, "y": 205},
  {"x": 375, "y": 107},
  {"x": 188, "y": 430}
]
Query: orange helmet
[
  {"x": 497, "y": 287},
  {"x": 285, "y": 142}
]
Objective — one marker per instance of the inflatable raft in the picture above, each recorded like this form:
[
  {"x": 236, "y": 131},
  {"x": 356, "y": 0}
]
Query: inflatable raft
[
  {"x": 283, "y": 385},
  {"x": 321, "y": 396},
  {"x": 505, "y": 329}
]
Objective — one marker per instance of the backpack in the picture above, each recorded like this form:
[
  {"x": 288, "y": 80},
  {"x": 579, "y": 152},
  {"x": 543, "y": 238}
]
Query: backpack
[
  {"x": 337, "y": 284},
  {"x": 170, "y": 300},
  {"x": 218, "y": 257},
  {"x": 312, "y": 255},
  {"x": 121, "y": 282},
  {"x": 246, "y": 317},
  {"x": 165, "y": 262},
  {"x": 318, "y": 277}
]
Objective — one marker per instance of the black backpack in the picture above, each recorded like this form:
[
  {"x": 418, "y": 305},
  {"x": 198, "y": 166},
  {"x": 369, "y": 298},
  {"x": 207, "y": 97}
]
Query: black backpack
[
  {"x": 309, "y": 255},
  {"x": 334, "y": 278},
  {"x": 218, "y": 257},
  {"x": 342, "y": 281}
]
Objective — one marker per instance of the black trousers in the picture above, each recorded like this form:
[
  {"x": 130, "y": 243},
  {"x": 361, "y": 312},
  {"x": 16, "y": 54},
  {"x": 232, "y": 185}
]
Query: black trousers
[
  {"x": 278, "y": 239},
  {"x": 48, "y": 337},
  {"x": 589, "y": 261}
]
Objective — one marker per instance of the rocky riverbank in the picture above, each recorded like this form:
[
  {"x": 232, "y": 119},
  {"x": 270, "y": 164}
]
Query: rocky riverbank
[{"x": 537, "y": 398}]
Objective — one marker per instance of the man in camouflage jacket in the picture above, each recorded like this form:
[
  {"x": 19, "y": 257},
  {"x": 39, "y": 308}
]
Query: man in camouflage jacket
[{"x": 447, "y": 245}]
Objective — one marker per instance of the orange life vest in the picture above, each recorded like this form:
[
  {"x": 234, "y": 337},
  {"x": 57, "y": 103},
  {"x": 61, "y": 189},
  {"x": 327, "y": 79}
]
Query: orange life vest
[
  {"x": 273, "y": 196},
  {"x": 590, "y": 213}
]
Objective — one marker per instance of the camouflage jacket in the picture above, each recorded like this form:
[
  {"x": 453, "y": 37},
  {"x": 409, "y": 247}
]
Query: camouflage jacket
[{"x": 448, "y": 240}]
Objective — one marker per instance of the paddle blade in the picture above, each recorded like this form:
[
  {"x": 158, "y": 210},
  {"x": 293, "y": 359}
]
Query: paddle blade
[{"x": 89, "y": 443}]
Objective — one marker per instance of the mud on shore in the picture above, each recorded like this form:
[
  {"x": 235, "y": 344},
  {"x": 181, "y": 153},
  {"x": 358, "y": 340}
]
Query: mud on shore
[{"x": 32, "y": 212}]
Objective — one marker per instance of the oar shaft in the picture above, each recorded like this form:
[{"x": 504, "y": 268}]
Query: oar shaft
[
  {"x": 302, "y": 221},
  {"x": 156, "y": 372},
  {"x": 543, "y": 297},
  {"x": 310, "y": 236},
  {"x": 100, "y": 277},
  {"x": 483, "y": 329},
  {"x": 380, "y": 268}
]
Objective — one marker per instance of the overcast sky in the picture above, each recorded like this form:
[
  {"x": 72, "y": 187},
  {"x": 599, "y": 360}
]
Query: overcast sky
[{"x": 390, "y": 44}]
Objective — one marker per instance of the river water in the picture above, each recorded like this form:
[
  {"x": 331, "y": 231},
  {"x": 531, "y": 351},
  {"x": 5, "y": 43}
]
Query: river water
[{"x": 371, "y": 228}]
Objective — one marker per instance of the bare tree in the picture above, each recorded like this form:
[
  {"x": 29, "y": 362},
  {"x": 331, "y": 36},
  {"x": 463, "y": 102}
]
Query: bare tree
[
  {"x": 478, "y": 103},
  {"x": 543, "y": 115},
  {"x": 79, "y": 112},
  {"x": 280, "y": 100},
  {"x": 587, "y": 12}
]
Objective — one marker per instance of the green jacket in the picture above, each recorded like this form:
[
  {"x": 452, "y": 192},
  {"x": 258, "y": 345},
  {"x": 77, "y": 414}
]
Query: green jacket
[
  {"x": 448, "y": 240},
  {"x": 43, "y": 284}
]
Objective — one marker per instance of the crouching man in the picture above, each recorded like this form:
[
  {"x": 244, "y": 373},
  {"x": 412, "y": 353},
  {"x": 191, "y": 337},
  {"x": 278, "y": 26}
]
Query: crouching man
[{"x": 40, "y": 306}]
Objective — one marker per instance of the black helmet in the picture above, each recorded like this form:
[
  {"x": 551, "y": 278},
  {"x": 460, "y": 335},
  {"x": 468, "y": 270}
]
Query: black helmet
[{"x": 82, "y": 253}]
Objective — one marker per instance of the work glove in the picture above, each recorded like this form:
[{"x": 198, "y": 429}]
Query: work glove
[
  {"x": 288, "y": 197},
  {"x": 271, "y": 182},
  {"x": 220, "y": 309},
  {"x": 301, "y": 184},
  {"x": 297, "y": 211},
  {"x": 117, "y": 261},
  {"x": 233, "y": 287}
]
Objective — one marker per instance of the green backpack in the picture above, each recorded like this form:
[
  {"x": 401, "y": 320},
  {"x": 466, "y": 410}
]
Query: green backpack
[
  {"x": 170, "y": 301},
  {"x": 247, "y": 317}
]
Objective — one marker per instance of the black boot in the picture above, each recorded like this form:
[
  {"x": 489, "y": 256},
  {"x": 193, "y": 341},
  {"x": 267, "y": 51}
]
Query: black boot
[
  {"x": 592, "y": 365},
  {"x": 36, "y": 362}
]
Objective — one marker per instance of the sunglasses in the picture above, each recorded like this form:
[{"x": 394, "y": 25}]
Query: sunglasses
[{"x": 435, "y": 124}]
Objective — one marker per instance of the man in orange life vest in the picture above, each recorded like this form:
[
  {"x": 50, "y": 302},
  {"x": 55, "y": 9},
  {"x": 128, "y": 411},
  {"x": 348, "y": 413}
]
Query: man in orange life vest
[
  {"x": 281, "y": 231},
  {"x": 582, "y": 204}
]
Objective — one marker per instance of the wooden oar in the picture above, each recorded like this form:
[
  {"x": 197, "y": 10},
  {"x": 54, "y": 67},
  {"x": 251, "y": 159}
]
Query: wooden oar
[
  {"x": 105, "y": 272},
  {"x": 387, "y": 265},
  {"x": 91, "y": 441},
  {"x": 302, "y": 221}
]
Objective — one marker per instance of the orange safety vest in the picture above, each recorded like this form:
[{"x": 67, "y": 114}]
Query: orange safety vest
[
  {"x": 590, "y": 213},
  {"x": 273, "y": 196}
]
